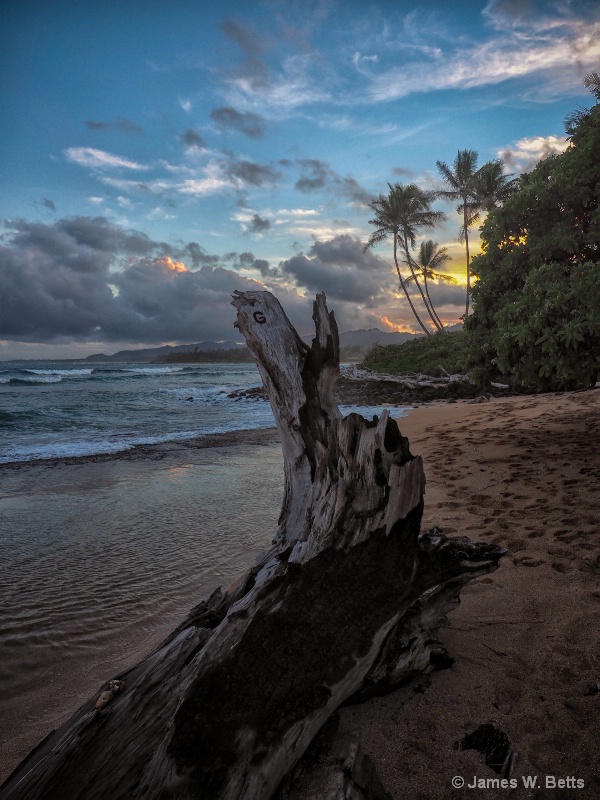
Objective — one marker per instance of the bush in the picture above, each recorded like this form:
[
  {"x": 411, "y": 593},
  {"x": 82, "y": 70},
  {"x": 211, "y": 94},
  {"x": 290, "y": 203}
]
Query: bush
[{"x": 424, "y": 355}]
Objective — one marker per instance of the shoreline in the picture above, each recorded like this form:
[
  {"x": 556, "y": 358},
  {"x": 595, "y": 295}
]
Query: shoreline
[{"x": 523, "y": 472}]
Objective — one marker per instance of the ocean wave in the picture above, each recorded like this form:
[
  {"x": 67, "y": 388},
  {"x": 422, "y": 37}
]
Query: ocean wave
[
  {"x": 123, "y": 443},
  {"x": 205, "y": 393},
  {"x": 153, "y": 370},
  {"x": 63, "y": 372},
  {"x": 37, "y": 379},
  {"x": 4, "y": 380}
]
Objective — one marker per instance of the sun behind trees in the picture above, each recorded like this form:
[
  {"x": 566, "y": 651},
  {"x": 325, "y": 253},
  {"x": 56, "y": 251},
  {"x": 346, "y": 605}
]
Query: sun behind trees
[{"x": 406, "y": 209}]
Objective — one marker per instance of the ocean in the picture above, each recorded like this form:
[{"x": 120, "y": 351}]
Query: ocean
[
  {"x": 102, "y": 555},
  {"x": 52, "y": 410}
]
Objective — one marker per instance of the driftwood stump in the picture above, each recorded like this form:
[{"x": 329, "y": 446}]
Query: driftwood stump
[{"x": 347, "y": 599}]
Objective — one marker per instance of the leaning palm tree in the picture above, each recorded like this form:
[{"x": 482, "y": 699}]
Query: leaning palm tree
[
  {"x": 413, "y": 205},
  {"x": 400, "y": 214},
  {"x": 430, "y": 260},
  {"x": 462, "y": 180},
  {"x": 387, "y": 223}
]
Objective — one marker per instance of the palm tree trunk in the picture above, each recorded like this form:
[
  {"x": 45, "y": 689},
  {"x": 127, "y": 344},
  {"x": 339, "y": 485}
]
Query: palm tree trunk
[
  {"x": 441, "y": 324},
  {"x": 403, "y": 285},
  {"x": 468, "y": 259},
  {"x": 416, "y": 280}
]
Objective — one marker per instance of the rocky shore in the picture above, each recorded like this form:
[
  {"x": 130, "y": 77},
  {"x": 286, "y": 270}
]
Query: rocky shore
[{"x": 365, "y": 388}]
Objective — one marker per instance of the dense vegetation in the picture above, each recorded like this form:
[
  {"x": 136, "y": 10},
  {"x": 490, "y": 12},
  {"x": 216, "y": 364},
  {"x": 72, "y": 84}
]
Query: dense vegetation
[
  {"x": 536, "y": 314},
  {"x": 536, "y": 300},
  {"x": 424, "y": 355}
]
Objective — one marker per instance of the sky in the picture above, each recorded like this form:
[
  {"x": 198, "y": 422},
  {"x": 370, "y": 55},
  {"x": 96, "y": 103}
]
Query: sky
[{"x": 155, "y": 157}]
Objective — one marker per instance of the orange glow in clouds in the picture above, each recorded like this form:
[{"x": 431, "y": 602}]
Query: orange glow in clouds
[
  {"x": 172, "y": 266},
  {"x": 397, "y": 328}
]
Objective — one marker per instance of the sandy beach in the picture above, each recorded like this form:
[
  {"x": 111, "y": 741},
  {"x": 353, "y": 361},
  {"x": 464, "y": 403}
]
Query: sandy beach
[{"x": 522, "y": 472}]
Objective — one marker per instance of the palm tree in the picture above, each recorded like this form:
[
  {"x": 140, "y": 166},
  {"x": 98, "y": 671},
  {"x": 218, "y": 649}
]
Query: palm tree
[
  {"x": 386, "y": 222},
  {"x": 462, "y": 180},
  {"x": 431, "y": 258},
  {"x": 400, "y": 214},
  {"x": 493, "y": 187},
  {"x": 414, "y": 210}
]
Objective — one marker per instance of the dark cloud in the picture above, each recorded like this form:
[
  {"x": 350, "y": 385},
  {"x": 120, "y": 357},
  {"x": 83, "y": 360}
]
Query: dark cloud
[
  {"x": 252, "y": 125},
  {"x": 318, "y": 174},
  {"x": 196, "y": 254},
  {"x": 127, "y": 126},
  {"x": 445, "y": 294},
  {"x": 258, "y": 224},
  {"x": 248, "y": 261},
  {"x": 251, "y": 172},
  {"x": 55, "y": 285},
  {"x": 251, "y": 44},
  {"x": 404, "y": 171},
  {"x": 192, "y": 138},
  {"x": 354, "y": 191},
  {"x": 244, "y": 36},
  {"x": 121, "y": 123},
  {"x": 315, "y": 175},
  {"x": 48, "y": 204},
  {"x": 341, "y": 269},
  {"x": 86, "y": 279}
]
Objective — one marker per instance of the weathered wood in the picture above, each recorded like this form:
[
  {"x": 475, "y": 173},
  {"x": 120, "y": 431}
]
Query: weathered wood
[{"x": 347, "y": 599}]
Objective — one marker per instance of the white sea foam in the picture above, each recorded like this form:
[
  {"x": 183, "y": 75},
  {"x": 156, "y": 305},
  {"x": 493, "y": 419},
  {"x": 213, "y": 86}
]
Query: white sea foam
[
  {"x": 4, "y": 380},
  {"x": 39, "y": 378},
  {"x": 64, "y": 372},
  {"x": 153, "y": 370}
]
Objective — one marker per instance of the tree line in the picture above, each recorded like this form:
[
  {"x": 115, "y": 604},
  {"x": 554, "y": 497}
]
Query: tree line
[
  {"x": 406, "y": 209},
  {"x": 536, "y": 299}
]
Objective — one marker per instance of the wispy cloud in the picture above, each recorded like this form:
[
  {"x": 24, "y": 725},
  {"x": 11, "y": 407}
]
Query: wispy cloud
[
  {"x": 572, "y": 48},
  {"x": 100, "y": 159}
]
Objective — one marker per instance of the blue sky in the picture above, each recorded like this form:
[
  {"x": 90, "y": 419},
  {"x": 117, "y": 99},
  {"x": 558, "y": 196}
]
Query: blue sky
[{"x": 156, "y": 157}]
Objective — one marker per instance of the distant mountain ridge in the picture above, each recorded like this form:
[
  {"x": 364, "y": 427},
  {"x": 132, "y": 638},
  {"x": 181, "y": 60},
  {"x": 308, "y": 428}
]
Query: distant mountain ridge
[
  {"x": 150, "y": 353},
  {"x": 362, "y": 338}
]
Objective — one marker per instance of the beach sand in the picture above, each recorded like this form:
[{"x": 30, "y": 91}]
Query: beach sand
[{"x": 523, "y": 472}]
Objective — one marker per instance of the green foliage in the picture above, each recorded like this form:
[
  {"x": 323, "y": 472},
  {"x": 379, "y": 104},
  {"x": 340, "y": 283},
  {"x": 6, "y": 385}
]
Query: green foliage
[
  {"x": 425, "y": 355},
  {"x": 536, "y": 317}
]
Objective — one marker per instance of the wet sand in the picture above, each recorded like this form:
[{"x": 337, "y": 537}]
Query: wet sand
[
  {"x": 103, "y": 557},
  {"x": 523, "y": 472}
]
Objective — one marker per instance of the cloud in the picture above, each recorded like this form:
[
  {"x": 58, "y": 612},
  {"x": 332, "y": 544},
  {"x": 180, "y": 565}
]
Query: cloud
[
  {"x": 244, "y": 36},
  {"x": 248, "y": 123},
  {"x": 406, "y": 172},
  {"x": 121, "y": 123},
  {"x": 99, "y": 159},
  {"x": 127, "y": 126},
  {"x": 191, "y": 138},
  {"x": 258, "y": 224},
  {"x": 341, "y": 269},
  {"x": 528, "y": 52},
  {"x": 525, "y": 153},
  {"x": 55, "y": 285},
  {"x": 317, "y": 174},
  {"x": 250, "y": 172}
]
